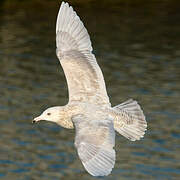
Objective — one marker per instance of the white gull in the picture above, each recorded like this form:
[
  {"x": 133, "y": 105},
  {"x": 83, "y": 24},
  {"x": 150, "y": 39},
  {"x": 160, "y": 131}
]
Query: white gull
[{"x": 89, "y": 110}]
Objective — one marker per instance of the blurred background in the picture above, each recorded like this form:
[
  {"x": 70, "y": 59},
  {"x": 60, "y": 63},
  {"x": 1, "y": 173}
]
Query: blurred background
[{"x": 137, "y": 45}]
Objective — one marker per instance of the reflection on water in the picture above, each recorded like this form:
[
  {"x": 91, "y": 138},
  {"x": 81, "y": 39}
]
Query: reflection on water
[{"x": 138, "y": 47}]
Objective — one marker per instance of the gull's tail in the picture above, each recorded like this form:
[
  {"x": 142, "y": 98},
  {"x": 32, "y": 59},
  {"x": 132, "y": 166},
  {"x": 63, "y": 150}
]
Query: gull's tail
[
  {"x": 130, "y": 120},
  {"x": 70, "y": 31}
]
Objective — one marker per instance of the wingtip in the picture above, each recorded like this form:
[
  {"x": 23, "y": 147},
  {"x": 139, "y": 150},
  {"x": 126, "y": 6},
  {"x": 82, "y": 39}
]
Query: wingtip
[
  {"x": 64, "y": 3},
  {"x": 73, "y": 34}
]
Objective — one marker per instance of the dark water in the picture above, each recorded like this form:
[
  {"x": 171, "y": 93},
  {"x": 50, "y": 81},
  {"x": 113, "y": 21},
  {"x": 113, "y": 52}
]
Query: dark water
[{"x": 137, "y": 45}]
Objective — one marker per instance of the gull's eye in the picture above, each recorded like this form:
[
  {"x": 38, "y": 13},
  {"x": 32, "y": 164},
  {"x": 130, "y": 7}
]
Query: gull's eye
[{"x": 48, "y": 114}]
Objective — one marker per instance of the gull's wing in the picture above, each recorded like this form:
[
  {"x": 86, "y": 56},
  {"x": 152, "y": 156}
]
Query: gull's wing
[
  {"x": 94, "y": 141},
  {"x": 84, "y": 77}
]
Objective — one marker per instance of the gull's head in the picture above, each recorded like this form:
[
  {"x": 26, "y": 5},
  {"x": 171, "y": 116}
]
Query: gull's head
[{"x": 52, "y": 114}]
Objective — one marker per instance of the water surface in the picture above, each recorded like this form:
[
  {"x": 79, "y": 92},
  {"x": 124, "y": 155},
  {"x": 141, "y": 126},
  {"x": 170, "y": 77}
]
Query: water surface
[{"x": 137, "y": 45}]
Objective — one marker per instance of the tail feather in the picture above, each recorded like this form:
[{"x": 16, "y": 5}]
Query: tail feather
[{"x": 130, "y": 121}]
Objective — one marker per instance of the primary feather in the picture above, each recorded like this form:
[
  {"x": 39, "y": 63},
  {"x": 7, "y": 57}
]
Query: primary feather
[{"x": 70, "y": 31}]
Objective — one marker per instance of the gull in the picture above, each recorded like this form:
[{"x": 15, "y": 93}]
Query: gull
[{"x": 89, "y": 110}]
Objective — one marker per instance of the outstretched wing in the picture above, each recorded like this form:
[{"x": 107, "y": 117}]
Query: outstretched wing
[
  {"x": 94, "y": 141},
  {"x": 83, "y": 75}
]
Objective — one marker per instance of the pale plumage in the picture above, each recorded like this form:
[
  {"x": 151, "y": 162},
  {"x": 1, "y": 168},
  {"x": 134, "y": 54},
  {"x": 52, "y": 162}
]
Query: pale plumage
[
  {"x": 84, "y": 77},
  {"x": 89, "y": 110}
]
